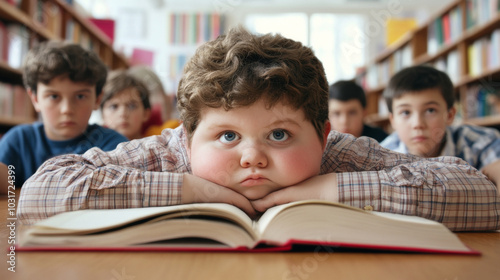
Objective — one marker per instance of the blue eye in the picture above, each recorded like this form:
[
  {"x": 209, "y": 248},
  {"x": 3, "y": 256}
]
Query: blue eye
[
  {"x": 279, "y": 135},
  {"x": 228, "y": 136}
]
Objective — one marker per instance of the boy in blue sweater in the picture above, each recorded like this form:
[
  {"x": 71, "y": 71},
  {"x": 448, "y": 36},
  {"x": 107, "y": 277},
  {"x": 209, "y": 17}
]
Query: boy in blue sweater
[{"x": 64, "y": 82}]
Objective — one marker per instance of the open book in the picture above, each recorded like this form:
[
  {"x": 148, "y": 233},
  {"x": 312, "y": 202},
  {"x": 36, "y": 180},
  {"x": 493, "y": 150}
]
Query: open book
[{"x": 213, "y": 226}]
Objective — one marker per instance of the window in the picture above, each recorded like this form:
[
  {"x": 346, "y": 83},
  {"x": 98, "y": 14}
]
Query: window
[{"x": 333, "y": 37}]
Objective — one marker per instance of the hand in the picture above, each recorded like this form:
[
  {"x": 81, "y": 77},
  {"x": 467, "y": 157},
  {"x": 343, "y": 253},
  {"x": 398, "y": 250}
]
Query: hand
[
  {"x": 322, "y": 187},
  {"x": 196, "y": 189}
]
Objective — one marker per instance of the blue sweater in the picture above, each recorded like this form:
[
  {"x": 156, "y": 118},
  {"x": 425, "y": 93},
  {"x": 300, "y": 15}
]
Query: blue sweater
[{"x": 26, "y": 147}]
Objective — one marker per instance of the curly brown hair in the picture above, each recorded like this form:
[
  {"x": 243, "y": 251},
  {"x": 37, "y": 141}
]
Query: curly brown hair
[
  {"x": 239, "y": 68},
  {"x": 51, "y": 59}
]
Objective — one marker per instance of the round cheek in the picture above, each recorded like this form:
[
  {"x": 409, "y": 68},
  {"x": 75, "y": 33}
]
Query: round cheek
[
  {"x": 215, "y": 166},
  {"x": 297, "y": 165}
]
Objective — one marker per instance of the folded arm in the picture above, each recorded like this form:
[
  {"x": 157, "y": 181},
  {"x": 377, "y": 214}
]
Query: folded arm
[
  {"x": 444, "y": 189},
  {"x": 144, "y": 173},
  {"x": 359, "y": 173}
]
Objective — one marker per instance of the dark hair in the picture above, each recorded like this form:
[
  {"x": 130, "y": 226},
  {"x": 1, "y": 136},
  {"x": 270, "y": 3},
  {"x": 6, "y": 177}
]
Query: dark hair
[
  {"x": 347, "y": 90},
  {"x": 418, "y": 78},
  {"x": 240, "y": 68},
  {"x": 120, "y": 80},
  {"x": 51, "y": 59}
]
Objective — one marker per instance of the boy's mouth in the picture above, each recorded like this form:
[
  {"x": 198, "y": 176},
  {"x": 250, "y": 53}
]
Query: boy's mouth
[
  {"x": 253, "y": 180},
  {"x": 419, "y": 139},
  {"x": 66, "y": 124}
]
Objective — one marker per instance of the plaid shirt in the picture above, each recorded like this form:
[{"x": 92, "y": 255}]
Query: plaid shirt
[
  {"x": 479, "y": 146},
  {"x": 149, "y": 172}
]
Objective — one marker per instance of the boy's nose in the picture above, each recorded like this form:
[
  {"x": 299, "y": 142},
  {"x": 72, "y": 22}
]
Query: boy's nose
[
  {"x": 122, "y": 111},
  {"x": 253, "y": 156},
  {"x": 66, "y": 106},
  {"x": 418, "y": 121}
]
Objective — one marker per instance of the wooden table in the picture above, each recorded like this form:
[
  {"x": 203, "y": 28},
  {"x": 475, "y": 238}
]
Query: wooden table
[{"x": 336, "y": 265}]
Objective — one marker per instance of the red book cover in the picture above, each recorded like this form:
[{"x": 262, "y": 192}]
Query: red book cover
[
  {"x": 107, "y": 26},
  {"x": 142, "y": 57},
  {"x": 446, "y": 28}
]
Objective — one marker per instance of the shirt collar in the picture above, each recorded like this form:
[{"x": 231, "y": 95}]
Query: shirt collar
[{"x": 449, "y": 146}]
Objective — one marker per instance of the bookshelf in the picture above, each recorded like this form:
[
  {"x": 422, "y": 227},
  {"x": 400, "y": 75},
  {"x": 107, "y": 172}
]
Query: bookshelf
[
  {"x": 23, "y": 23},
  {"x": 463, "y": 40},
  {"x": 187, "y": 31}
]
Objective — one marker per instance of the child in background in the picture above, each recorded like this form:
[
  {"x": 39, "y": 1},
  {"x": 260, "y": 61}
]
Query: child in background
[
  {"x": 64, "y": 82},
  {"x": 420, "y": 101},
  {"x": 347, "y": 109},
  {"x": 125, "y": 104},
  {"x": 162, "y": 108},
  {"x": 255, "y": 133}
]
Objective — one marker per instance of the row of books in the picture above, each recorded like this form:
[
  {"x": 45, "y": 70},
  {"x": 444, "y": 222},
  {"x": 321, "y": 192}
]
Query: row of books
[
  {"x": 49, "y": 15},
  {"x": 14, "y": 102},
  {"x": 379, "y": 74},
  {"x": 481, "y": 101},
  {"x": 483, "y": 54},
  {"x": 450, "y": 64},
  {"x": 14, "y": 43},
  {"x": 481, "y": 11},
  {"x": 78, "y": 35},
  {"x": 444, "y": 30},
  {"x": 194, "y": 28}
]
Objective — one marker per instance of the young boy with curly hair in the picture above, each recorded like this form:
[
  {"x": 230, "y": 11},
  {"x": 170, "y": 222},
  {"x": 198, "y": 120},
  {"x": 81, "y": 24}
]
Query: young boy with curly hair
[
  {"x": 255, "y": 134},
  {"x": 125, "y": 105},
  {"x": 64, "y": 82}
]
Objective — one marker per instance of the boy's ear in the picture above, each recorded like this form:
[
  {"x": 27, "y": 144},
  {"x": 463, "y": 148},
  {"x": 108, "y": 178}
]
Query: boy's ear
[
  {"x": 391, "y": 118},
  {"x": 34, "y": 99},
  {"x": 147, "y": 114},
  {"x": 451, "y": 115},
  {"x": 97, "y": 104}
]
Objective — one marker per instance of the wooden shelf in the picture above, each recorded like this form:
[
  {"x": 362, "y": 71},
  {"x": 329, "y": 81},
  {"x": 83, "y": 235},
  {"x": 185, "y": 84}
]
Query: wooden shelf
[
  {"x": 9, "y": 74},
  {"x": 488, "y": 76},
  {"x": 13, "y": 14},
  {"x": 15, "y": 121},
  {"x": 492, "y": 121}
]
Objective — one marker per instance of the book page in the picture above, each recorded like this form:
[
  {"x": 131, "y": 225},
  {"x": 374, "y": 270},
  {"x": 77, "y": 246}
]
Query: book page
[
  {"x": 93, "y": 220},
  {"x": 272, "y": 212}
]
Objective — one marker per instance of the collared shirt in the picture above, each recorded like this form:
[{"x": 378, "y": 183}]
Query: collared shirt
[
  {"x": 479, "y": 146},
  {"x": 149, "y": 172}
]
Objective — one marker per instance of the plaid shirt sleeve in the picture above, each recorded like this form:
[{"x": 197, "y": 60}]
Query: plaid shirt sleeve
[
  {"x": 139, "y": 173},
  {"x": 444, "y": 189}
]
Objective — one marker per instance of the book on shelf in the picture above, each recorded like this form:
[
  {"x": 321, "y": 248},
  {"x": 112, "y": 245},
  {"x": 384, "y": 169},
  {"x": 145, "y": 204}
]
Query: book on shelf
[
  {"x": 444, "y": 30},
  {"x": 481, "y": 101},
  {"x": 15, "y": 103},
  {"x": 17, "y": 44},
  {"x": 223, "y": 227},
  {"x": 483, "y": 54},
  {"x": 479, "y": 12}
]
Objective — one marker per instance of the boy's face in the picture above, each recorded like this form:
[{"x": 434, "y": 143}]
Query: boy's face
[
  {"x": 255, "y": 151},
  {"x": 125, "y": 113},
  {"x": 420, "y": 119},
  {"x": 65, "y": 107},
  {"x": 346, "y": 116}
]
